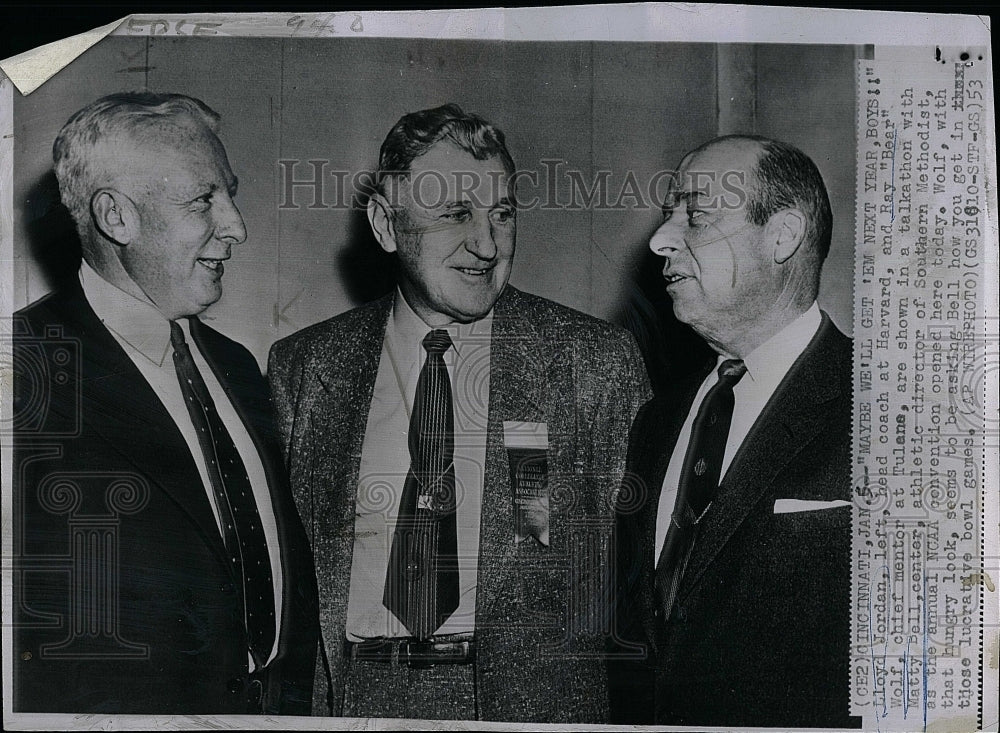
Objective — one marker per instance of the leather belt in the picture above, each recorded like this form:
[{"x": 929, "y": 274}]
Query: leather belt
[{"x": 450, "y": 649}]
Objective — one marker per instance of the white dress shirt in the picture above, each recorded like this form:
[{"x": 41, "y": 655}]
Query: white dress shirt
[
  {"x": 385, "y": 461},
  {"x": 144, "y": 334},
  {"x": 766, "y": 366}
]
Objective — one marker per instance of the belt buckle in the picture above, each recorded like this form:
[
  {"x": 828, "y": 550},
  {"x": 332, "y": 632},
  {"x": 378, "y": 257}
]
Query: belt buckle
[
  {"x": 425, "y": 654},
  {"x": 369, "y": 650},
  {"x": 414, "y": 658}
]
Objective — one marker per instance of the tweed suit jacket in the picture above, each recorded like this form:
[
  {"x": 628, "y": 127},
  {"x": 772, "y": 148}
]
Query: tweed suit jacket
[
  {"x": 541, "y": 612},
  {"x": 759, "y": 635},
  {"x": 155, "y": 624}
]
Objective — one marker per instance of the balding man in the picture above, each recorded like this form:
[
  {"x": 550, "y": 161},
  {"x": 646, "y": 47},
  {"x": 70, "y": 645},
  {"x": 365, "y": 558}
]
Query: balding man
[
  {"x": 161, "y": 565},
  {"x": 734, "y": 535}
]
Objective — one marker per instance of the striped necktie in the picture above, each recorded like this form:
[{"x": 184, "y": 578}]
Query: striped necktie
[{"x": 421, "y": 584}]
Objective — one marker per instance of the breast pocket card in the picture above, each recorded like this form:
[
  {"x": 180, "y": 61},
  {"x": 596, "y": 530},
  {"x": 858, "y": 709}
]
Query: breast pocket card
[{"x": 527, "y": 446}]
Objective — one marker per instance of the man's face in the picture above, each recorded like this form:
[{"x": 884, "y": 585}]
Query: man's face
[
  {"x": 717, "y": 272},
  {"x": 187, "y": 220},
  {"x": 455, "y": 225}
]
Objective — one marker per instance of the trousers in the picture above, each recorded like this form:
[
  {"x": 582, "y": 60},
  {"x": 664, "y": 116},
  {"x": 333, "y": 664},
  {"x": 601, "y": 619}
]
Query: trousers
[{"x": 392, "y": 690}]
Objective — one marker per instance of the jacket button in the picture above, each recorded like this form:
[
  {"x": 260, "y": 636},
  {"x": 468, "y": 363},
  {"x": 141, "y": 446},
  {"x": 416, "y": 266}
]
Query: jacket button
[
  {"x": 227, "y": 588},
  {"x": 235, "y": 685}
]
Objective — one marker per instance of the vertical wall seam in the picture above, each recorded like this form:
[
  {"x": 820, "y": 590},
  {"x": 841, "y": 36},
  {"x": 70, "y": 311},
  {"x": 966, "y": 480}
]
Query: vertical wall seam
[
  {"x": 277, "y": 213},
  {"x": 717, "y": 51},
  {"x": 593, "y": 233}
]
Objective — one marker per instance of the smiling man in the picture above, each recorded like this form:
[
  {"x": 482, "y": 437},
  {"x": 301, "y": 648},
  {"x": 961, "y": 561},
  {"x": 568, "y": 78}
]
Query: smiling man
[
  {"x": 162, "y": 565},
  {"x": 454, "y": 448},
  {"x": 734, "y": 563}
]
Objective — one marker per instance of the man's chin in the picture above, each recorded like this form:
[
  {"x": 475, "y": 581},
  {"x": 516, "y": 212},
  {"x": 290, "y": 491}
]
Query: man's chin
[
  {"x": 474, "y": 311},
  {"x": 469, "y": 316},
  {"x": 680, "y": 312},
  {"x": 199, "y": 305},
  {"x": 687, "y": 314}
]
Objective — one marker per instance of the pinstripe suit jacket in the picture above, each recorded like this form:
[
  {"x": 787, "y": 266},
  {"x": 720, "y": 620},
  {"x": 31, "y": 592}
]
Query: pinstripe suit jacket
[{"x": 541, "y": 612}]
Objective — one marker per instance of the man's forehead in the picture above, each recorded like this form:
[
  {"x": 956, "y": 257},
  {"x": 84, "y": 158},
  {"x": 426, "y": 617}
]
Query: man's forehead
[
  {"x": 195, "y": 149},
  {"x": 448, "y": 174},
  {"x": 706, "y": 169}
]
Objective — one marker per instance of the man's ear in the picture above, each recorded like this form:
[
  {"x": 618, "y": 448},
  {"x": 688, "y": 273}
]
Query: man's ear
[
  {"x": 380, "y": 218},
  {"x": 115, "y": 216},
  {"x": 787, "y": 230}
]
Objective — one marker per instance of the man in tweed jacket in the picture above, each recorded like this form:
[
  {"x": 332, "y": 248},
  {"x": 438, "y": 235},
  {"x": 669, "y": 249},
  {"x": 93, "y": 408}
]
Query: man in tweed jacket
[{"x": 530, "y": 378}]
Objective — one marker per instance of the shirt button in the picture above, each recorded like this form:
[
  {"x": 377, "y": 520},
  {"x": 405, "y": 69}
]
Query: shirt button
[
  {"x": 235, "y": 685},
  {"x": 226, "y": 587}
]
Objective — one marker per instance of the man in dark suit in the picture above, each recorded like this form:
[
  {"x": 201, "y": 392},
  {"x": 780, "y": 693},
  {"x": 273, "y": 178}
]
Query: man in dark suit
[
  {"x": 454, "y": 449},
  {"x": 733, "y": 534},
  {"x": 160, "y": 564}
]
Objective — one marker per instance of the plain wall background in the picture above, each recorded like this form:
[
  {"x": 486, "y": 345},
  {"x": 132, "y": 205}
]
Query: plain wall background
[{"x": 618, "y": 107}]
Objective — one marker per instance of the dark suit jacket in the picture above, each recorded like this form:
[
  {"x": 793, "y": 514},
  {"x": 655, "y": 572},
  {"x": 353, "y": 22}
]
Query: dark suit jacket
[
  {"x": 759, "y": 635},
  {"x": 540, "y": 631},
  {"x": 125, "y": 602}
]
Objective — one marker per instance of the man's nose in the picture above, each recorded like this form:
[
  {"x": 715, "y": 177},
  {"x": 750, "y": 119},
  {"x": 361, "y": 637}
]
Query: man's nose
[
  {"x": 479, "y": 240},
  {"x": 229, "y": 224},
  {"x": 668, "y": 238}
]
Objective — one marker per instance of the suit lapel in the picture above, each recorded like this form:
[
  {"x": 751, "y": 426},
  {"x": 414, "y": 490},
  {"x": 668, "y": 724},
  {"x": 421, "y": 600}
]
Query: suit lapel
[
  {"x": 243, "y": 383},
  {"x": 120, "y": 406},
  {"x": 517, "y": 393},
  {"x": 655, "y": 437},
  {"x": 790, "y": 420},
  {"x": 341, "y": 397}
]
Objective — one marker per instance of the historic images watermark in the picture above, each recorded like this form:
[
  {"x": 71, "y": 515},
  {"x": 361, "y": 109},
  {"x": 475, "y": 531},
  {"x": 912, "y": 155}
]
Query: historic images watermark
[
  {"x": 42, "y": 364},
  {"x": 552, "y": 185}
]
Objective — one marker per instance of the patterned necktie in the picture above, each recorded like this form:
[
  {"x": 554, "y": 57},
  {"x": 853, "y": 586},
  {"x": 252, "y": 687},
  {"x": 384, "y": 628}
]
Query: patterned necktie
[
  {"x": 242, "y": 532},
  {"x": 699, "y": 481},
  {"x": 421, "y": 582}
]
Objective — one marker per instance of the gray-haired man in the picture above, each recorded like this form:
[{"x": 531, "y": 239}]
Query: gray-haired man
[{"x": 161, "y": 565}]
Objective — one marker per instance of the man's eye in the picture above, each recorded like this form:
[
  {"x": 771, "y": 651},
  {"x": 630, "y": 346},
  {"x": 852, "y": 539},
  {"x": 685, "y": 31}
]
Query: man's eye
[
  {"x": 502, "y": 216},
  {"x": 694, "y": 215},
  {"x": 202, "y": 202},
  {"x": 668, "y": 212},
  {"x": 457, "y": 216}
]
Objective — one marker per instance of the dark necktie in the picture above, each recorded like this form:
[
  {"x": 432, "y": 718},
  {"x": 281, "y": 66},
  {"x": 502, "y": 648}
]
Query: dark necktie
[
  {"x": 421, "y": 582},
  {"x": 242, "y": 532},
  {"x": 699, "y": 481}
]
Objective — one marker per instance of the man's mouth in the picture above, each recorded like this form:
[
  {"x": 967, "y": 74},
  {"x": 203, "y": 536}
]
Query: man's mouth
[
  {"x": 215, "y": 264},
  {"x": 674, "y": 278},
  {"x": 474, "y": 271}
]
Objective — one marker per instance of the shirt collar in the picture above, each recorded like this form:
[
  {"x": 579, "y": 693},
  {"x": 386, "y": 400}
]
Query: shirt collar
[
  {"x": 407, "y": 330},
  {"x": 135, "y": 321},
  {"x": 768, "y": 364}
]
